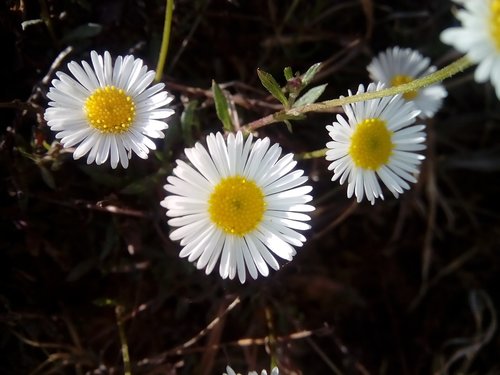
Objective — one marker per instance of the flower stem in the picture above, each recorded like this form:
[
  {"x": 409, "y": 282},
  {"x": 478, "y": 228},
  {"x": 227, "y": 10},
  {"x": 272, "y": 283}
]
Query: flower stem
[
  {"x": 165, "y": 39},
  {"x": 311, "y": 154},
  {"x": 438, "y": 76},
  {"x": 45, "y": 15},
  {"x": 119, "y": 310}
]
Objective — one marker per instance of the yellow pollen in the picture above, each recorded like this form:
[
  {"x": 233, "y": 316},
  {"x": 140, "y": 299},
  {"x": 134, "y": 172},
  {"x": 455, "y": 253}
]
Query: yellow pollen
[
  {"x": 110, "y": 110},
  {"x": 495, "y": 22},
  {"x": 402, "y": 79},
  {"x": 371, "y": 144},
  {"x": 236, "y": 205}
]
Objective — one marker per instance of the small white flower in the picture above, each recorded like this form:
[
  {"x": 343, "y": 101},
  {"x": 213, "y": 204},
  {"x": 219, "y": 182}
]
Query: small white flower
[
  {"x": 230, "y": 371},
  {"x": 375, "y": 141},
  {"x": 239, "y": 202},
  {"x": 108, "y": 110},
  {"x": 478, "y": 38},
  {"x": 396, "y": 66}
]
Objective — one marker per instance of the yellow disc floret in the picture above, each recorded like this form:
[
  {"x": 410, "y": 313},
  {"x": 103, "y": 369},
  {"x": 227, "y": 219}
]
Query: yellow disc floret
[
  {"x": 371, "y": 144},
  {"x": 236, "y": 205},
  {"x": 402, "y": 79},
  {"x": 110, "y": 110},
  {"x": 495, "y": 22}
]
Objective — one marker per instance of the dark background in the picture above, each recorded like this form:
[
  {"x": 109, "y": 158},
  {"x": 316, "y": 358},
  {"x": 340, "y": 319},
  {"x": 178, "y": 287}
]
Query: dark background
[{"x": 408, "y": 286}]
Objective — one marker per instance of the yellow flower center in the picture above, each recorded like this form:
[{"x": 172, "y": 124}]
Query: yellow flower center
[
  {"x": 402, "y": 79},
  {"x": 236, "y": 205},
  {"x": 110, "y": 110},
  {"x": 495, "y": 22},
  {"x": 371, "y": 144}
]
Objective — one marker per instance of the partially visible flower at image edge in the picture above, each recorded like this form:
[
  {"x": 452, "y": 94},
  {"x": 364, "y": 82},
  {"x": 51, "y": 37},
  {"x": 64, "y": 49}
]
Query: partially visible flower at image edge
[
  {"x": 479, "y": 38},
  {"x": 376, "y": 142},
  {"x": 239, "y": 202},
  {"x": 108, "y": 110},
  {"x": 230, "y": 371},
  {"x": 396, "y": 66}
]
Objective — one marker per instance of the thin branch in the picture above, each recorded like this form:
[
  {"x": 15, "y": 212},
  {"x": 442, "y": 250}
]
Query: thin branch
[{"x": 415, "y": 85}]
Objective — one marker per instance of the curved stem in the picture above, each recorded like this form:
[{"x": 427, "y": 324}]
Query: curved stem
[
  {"x": 119, "y": 311},
  {"x": 438, "y": 76},
  {"x": 311, "y": 154},
  {"x": 165, "y": 39}
]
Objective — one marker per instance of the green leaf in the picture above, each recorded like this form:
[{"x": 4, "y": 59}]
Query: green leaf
[
  {"x": 272, "y": 86},
  {"x": 288, "y": 73},
  {"x": 142, "y": 186},
  {"x": 47, "y": 177},
  {"x": 101, "y": 302},
  {"x": 311, "y": 72},
  {"x": 221, "y": 107},
  {"x": 85, "y": 31},
  {"x": 110, "y": 241},
  {"x": 100, "y": 176},
  {"x": 190, "y": 121},
  {"x": 81, "y": 269},
  {"x": 310, "y": 96}
]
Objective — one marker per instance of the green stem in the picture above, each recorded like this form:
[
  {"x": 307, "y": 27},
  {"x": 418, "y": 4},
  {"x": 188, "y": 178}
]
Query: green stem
[
  {"x": 165, "y": 40},
  {"x": 438, "y": 76},
  {"x": 311, "y": 154},
  {"x": 119, "y": 310},
  {"x": 271, "y": 336},
  {"x": 45, "y": 15}
]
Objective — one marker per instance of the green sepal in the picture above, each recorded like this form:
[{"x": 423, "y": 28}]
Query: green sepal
[
  {"x": 310, "y": 96},
  {"x": 272, "y": 86},
  {"x": 310, "y": 73},
  {"x": 222, "y": 107}
]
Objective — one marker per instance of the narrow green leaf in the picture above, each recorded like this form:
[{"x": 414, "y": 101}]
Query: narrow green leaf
[
  {"x": 288, "y": 73},
  {"x": 101, "y": 302},
  {"x": 110, "y": 241},
  {"x": 84, "y": 31},
  {"x": 81, "y": 269},
  {"x": 311, "y": 72},
  {"x": 142, "y": 186},
  {"x": 190, "y": 121},
  {"x": 47, "y": 177},
  {"x": 221, "y": 107},
  {"x": 272, "y": 86},
  {"x": 101, "y": 177},
  {"x": 310, "y": 96}
]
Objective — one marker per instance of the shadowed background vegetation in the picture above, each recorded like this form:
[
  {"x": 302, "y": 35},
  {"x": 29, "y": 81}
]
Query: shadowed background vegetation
[{"x": 408, "y": 286}]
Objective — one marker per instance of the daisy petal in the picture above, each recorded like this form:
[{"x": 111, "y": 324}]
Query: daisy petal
[
  {"x": 239, "y": 205},
  {"x": 382, "y": 142},
  {"x": 79, "y": 111}
]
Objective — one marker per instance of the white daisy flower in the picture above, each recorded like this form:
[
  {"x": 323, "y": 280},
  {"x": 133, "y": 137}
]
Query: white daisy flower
[
  {"x": 108, "y": 110},
  {"x": 396, "y": 66},
  {"x": 478, "y": 38},
  {"x": 375, "y": 141},
  {"x": 239, "y": 202},
  {"x": 230, "y": 371}
]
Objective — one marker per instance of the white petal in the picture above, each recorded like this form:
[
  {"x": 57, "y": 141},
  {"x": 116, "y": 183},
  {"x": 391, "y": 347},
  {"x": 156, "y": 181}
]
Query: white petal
[
  {"x": 188, "y": 206},
  {"x": 66, "y": 108}
]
